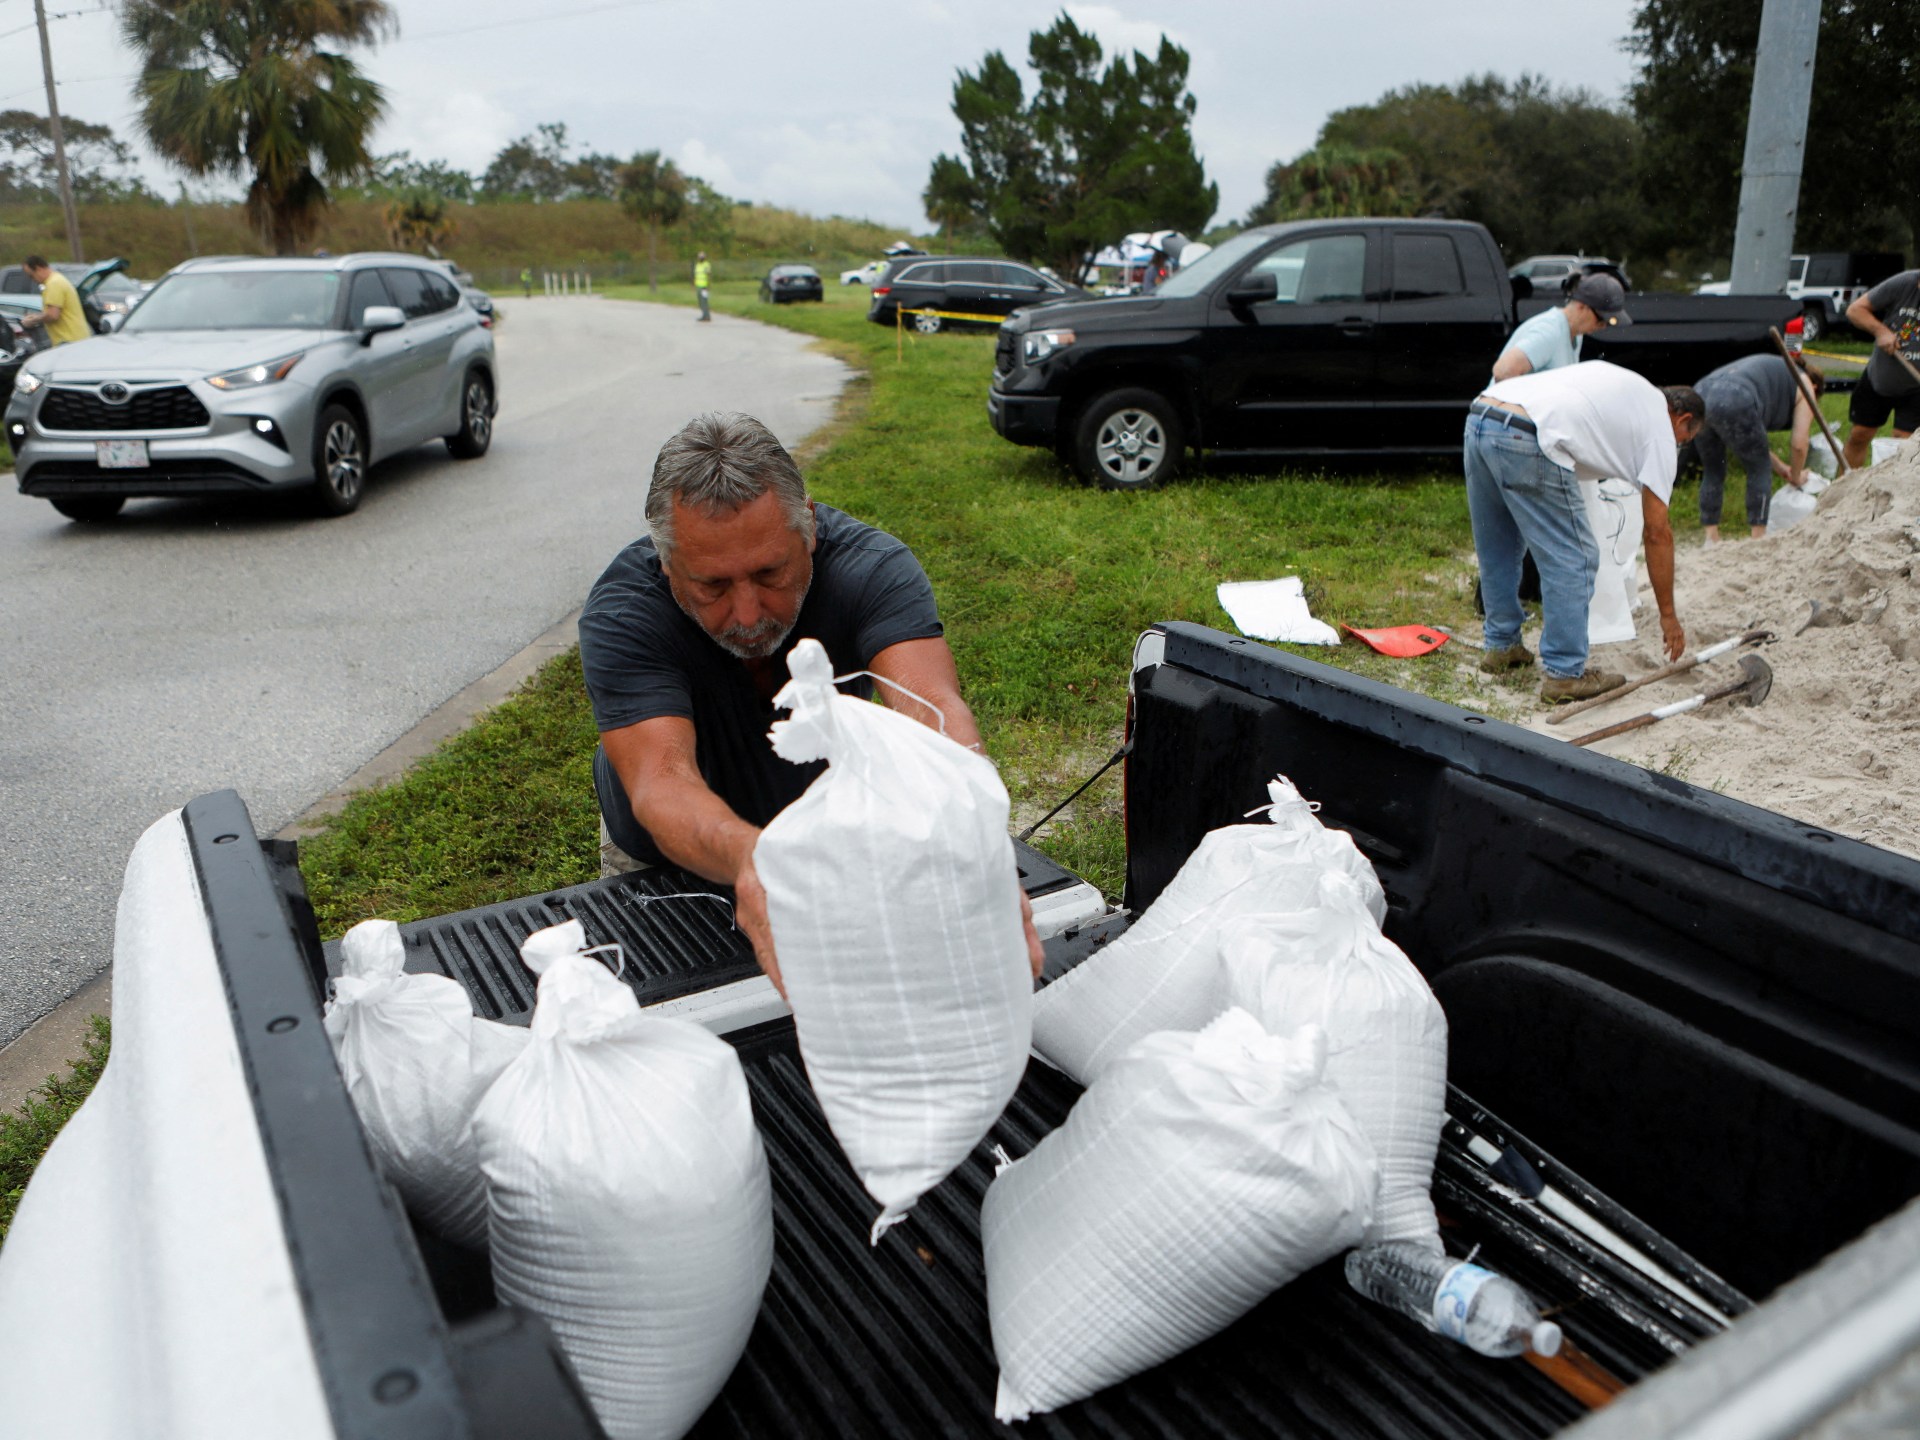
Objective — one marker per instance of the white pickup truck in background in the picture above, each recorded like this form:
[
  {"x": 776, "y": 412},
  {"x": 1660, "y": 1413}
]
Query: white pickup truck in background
[{"x": 1826, "y": 282}]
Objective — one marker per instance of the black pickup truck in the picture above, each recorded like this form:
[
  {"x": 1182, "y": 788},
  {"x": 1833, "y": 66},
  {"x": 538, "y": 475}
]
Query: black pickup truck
[
  {"x": 1311, "y": 338},
  {"x": 1696, "y": 1020}
]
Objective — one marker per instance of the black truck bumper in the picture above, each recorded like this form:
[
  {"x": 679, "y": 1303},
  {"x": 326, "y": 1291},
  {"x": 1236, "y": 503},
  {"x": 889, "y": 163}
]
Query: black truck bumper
[{"x": 1024, "y": 419}]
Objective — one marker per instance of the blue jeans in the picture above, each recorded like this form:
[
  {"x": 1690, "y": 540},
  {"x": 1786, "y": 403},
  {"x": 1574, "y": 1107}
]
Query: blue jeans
[{"x": 1522, "y": 501}]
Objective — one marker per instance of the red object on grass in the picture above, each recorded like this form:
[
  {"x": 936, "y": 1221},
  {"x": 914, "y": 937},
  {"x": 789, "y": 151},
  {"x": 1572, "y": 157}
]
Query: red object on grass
[{"x": 1402, "y": 642}]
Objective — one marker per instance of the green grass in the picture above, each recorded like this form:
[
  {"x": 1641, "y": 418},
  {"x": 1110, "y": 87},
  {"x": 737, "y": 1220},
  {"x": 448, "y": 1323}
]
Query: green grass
[
  {"x": 1043, "y": 582},
  {"x": 26, "y": 1134}
]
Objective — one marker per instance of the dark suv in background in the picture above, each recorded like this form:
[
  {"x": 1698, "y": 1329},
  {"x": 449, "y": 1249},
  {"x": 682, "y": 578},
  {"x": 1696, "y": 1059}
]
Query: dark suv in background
[{"x": 962, "y": 285}]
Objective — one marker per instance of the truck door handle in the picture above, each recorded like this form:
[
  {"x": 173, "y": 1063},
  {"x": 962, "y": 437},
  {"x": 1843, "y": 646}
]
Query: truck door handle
[{"x": 1356, "y": 326}]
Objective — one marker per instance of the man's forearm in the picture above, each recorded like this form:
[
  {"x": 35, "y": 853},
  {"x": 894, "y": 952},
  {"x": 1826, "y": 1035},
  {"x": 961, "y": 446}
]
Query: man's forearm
[
  {"x": 693, "y": 827},
  {"x": 1660, "y": 572}
]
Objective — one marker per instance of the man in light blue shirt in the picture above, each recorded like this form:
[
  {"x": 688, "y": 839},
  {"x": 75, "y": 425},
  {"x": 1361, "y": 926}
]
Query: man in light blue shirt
[{"x": 1552, "y": 338}]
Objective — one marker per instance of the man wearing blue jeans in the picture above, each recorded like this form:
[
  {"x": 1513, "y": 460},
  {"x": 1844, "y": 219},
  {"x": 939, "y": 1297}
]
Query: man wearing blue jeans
[{"x": 1529, "y": 441}]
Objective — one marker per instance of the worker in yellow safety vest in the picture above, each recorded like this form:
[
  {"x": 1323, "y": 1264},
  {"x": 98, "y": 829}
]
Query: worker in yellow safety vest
[{"x": 702, "y": 277}]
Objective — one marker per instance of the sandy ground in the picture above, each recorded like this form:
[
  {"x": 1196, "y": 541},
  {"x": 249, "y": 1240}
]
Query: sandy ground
[{"x": 1835, "y": 743}]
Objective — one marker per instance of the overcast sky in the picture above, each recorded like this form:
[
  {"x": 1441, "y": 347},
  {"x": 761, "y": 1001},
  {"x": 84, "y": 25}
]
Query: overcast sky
[{"x": 837, "y": 108}]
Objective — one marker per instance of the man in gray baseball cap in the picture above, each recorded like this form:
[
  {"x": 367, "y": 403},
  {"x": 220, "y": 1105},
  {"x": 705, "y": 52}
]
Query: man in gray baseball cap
[{"x": 1552, "y": 338}]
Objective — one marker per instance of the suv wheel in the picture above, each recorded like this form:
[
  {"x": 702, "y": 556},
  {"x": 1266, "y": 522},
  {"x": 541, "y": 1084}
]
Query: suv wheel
[
  {"x": 88, "y": 509},
  {"x": 1813, "y": 323},
  {"x": 927, "y": 324},
  {"x": 339, "y": 461},
  {"x": 475, "y": 434},
  {"x": 1128, "y": 440}
]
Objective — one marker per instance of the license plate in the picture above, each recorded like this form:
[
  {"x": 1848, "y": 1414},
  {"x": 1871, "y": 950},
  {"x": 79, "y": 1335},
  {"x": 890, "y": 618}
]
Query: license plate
[{"x": 121, "y": 454}]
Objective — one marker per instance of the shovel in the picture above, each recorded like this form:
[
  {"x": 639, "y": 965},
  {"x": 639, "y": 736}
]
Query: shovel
[
  {"x": 1665, "y": 672},
  {"x": 1756, "y": 679}
]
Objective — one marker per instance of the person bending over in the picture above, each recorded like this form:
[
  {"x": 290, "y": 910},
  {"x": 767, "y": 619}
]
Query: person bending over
[{"x": 1745, "y": 399}]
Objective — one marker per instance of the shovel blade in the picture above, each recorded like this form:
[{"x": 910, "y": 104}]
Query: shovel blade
[{"x": 1758, "y": 680}]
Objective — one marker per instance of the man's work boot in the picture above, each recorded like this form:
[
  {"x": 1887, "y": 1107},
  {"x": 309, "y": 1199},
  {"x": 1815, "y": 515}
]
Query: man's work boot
[
  {"x": 1559, "y": 689},
  {"x": 1498, "y": 662}
]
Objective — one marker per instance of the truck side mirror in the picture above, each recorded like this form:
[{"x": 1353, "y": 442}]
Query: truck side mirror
[
  {"x": 1253, "y": 289},
  {"x": 1522, "y": 288}
]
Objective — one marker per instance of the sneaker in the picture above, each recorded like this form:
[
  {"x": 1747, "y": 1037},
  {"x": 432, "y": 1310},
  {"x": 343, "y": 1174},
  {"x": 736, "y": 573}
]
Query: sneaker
[
  {"x": 1558, "y": 689},
  {"x": 1498, "y": 662}
]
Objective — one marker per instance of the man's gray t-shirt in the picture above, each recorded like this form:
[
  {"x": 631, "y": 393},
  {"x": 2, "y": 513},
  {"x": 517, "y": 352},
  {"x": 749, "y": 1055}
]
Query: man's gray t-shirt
[
  {"x": 1761, "y": 383},
  {"x": 1897, "y": 303},
  {"x": 644, "y": 658}
]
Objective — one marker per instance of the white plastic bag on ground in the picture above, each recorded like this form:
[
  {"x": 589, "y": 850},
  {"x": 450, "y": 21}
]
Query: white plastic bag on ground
[
  {"x": 1274, "y": 610},
  {"x": 1791, "y": 505},
  {"x": 1330, "y": 966},
  {"x": 894, "y": 899},
  {"x": 628, "y": 1191},
  {"x": 416, "y": 1060},
  {"x": 1164, "y": 972},
  {"x": 1197, "y": 1175}
]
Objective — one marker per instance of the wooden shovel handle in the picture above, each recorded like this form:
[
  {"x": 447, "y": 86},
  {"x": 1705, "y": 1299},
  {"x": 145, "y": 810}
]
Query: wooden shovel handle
[
  {"x": 1665, "y": 672},
  {"x": 1805, "y": 388},
  {"x": 1638, "y": 722}
]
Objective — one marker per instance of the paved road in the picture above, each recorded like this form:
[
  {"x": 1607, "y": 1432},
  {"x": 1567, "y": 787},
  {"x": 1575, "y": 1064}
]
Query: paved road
[{"x": 192, "y": 645}]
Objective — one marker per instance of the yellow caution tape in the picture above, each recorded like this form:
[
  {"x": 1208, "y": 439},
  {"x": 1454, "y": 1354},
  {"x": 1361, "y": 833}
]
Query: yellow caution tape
[
  {"x": 953, "y": 315},
  {"x": 1829, "y": 355}
]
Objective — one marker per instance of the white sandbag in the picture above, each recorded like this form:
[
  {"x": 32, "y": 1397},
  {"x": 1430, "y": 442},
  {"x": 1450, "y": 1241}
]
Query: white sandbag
[
  {"x": 416, "y": 1060},
  {"x": 1196, "y": 1176},
  {"x": 1329, "y": 965},
  {"x": 1614, "y": 515},
  {"x": 1164, "y": 972},
  {"x": 628, "y": 1193},
  {"x": 1789, "y": 506},
  {"x": 894, "y": 899}
]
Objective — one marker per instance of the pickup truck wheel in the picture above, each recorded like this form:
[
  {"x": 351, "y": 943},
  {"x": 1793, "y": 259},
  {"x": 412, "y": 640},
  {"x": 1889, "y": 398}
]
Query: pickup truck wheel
[
  {"x": 1813, "y": 322},
  {"x": 339, "y": 461},
  {"x": 89, "y": 509},
  {"x": 927, "y": 324},
  {"x": 476, "y": 419},
  {"x": 1128, "y": 440}
]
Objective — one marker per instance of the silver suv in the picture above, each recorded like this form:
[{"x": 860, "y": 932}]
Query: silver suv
[{"x": 243, "y": 374}]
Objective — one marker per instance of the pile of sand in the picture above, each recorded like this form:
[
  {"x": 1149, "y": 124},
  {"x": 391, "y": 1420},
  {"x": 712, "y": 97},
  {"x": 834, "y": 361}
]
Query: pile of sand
[{"x": 1835, "y": 743}]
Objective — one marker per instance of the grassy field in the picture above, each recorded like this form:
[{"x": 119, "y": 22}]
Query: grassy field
[{"x": 1043, "y": 582}]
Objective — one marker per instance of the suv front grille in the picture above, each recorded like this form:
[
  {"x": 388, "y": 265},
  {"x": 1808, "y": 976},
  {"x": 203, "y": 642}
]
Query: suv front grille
[{"x": 171, "y": 407}]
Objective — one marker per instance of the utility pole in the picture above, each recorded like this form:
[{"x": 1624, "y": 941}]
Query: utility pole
[
  {"x": 59, "y": 138},
  {"x": 1776, "y": 145}
]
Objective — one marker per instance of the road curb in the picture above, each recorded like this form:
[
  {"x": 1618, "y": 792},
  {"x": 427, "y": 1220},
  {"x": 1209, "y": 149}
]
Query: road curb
[{"x": 45, "y": 1047}]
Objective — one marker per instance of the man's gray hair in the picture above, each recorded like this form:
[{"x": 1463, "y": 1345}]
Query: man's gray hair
[{"x": 718, "y": 462}]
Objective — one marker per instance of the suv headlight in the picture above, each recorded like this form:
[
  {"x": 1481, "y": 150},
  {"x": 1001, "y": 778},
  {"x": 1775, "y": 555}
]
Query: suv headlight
[
  {"x": 1038, "y": 345},
  {"x": 265, "y": 373},
  {"x": 26, "y": 383}
]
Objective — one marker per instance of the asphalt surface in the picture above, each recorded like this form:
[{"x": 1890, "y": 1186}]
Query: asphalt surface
[{"x": 194, "y": 645}]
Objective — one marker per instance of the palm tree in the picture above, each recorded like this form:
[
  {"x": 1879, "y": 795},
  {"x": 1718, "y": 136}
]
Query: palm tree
[{"x": 244, "y": 87}]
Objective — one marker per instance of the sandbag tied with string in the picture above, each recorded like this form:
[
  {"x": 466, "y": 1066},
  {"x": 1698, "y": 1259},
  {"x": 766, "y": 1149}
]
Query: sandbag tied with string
[
  {"x": 628, "y": 1193},
  {"x": 416, "y": 1060},
  {"x": 894, "y": 900},
  {"x": 1164, "y": 973},
  {"x": 1328, "y": 965}
]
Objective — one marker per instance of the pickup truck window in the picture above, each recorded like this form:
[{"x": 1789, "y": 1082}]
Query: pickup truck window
[
  {"x": 1426, "y": 267},
  {"x": 1317, "y": 271},
  {"x": 1222, "y": 259}
]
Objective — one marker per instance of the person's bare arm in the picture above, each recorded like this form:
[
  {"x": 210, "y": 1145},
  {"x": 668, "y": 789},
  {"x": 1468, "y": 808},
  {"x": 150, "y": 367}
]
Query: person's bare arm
[
  {"x": 1860, "y": 315},
  {"x": 693, "y": 827},
  {"x": 926, "y": 668},
  {"x": 1513, "y": 362},
  {"x": 48, "y": 316},
  {"x": 1795, "y": 473},
  {"x": 1657, "y": 535}
]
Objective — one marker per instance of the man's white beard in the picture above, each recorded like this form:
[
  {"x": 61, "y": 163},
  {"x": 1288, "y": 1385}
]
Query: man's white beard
[{"x": 752, "y": 642}]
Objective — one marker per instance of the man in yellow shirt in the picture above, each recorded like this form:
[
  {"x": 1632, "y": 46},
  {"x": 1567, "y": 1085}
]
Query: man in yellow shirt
[
  {"x": 702, "y": 275},
  {"x": 60, "y": 309}
]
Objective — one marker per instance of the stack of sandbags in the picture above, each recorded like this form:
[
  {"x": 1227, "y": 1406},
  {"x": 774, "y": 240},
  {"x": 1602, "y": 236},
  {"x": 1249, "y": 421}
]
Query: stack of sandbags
[
  {"x": 894, "y": 900},
  {"x": 1164, "y": 973},
  {"x": 1328, "y": 965},
  {"x": 1198, "y": 1174},
  {"x": 629, "y": 1199},
  {"x": 417, "y": 1061}
]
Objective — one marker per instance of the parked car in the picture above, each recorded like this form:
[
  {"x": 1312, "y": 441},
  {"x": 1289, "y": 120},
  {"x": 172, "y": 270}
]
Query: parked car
[
  {"x": 16, "y": 342},
  {"x": 962, "y": 285},
  {"x": 1317, "y": 336},
  {"x": 242, "y": 375},
  {"x": 1551, "y": 275},
  {"x": 791, "y": 282},
  {"x": 1826, "y": 282},
  {"x": 470, "y": 290},
  {"x": 867, "y": 274},
  {"x": 103, "y": 286}
]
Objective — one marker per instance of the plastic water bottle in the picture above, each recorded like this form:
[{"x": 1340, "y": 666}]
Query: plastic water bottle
[{"x": 1468, "y": 1303}]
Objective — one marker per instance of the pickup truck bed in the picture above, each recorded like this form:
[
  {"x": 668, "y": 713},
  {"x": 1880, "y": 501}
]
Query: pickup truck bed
[{"x": 1701, "y": 1010}]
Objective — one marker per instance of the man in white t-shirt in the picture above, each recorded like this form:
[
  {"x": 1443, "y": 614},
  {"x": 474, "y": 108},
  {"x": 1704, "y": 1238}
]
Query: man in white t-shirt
[{"x": 1529, "y": 441}]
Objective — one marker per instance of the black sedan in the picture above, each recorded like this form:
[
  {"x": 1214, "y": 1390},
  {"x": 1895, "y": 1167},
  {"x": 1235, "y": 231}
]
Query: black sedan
[{"x": 791, "y": 282}]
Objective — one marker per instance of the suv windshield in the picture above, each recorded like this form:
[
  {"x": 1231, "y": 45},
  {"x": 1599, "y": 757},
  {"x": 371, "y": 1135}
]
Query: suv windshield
[
  {"x": 239, "y": 300},
  {"x": 1192, "y": 279}
]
